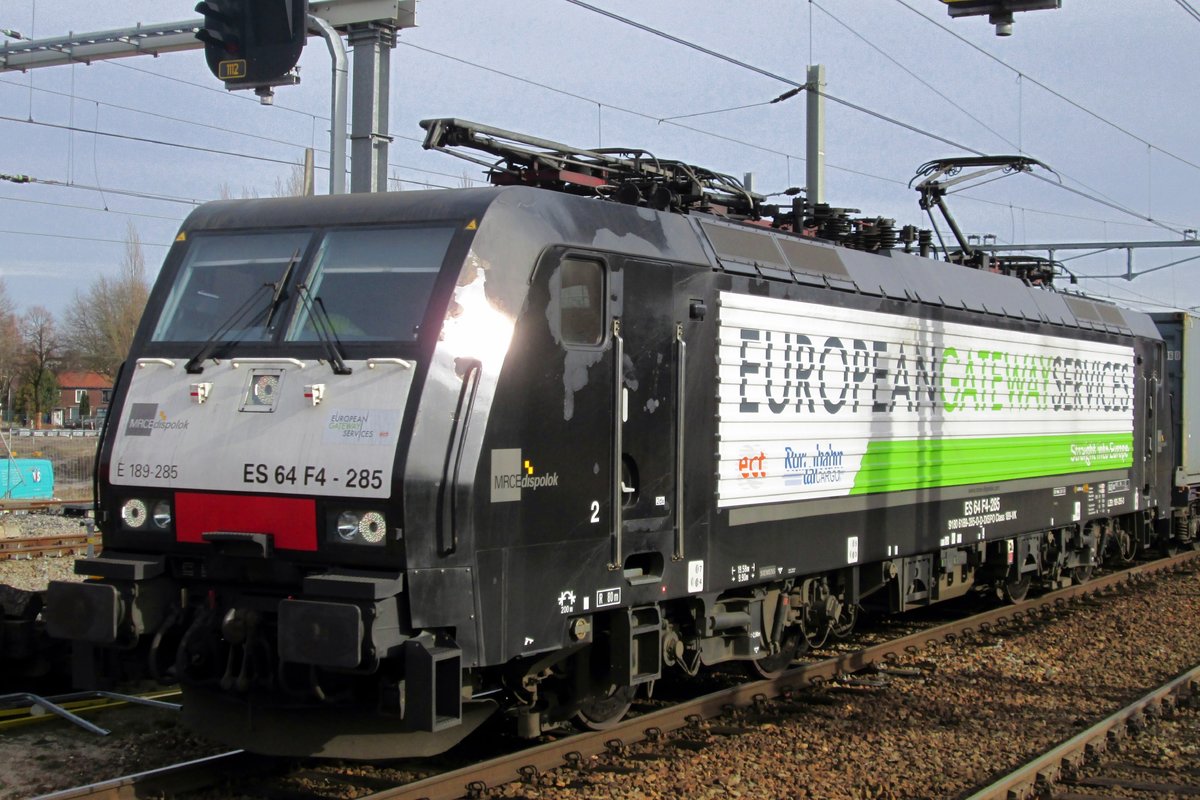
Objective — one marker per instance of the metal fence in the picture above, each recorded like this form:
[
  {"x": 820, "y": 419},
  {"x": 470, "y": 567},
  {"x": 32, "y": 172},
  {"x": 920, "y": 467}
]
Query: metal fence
[{"x": 72, "y": 454}]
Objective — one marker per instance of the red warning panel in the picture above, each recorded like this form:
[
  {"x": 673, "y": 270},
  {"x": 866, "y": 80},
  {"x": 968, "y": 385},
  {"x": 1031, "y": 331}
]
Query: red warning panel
[{"x": 291, "y": 521}]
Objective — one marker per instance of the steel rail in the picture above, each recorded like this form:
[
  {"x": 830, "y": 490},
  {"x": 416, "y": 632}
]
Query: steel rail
[
  {"x": 1029, "y": 780},
  {"x": 527, "y": 764},
  {"x": 165, "y": 781},
  {"x": 44, "y": 505},
  {"x": 32, "y": 542},
  {"x": 33, "y": 545}
]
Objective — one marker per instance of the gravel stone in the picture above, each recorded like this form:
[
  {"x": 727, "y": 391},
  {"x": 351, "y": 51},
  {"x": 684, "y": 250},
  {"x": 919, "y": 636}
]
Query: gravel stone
[
  {"x": 35, "y": 572},
  {"x": 977, "y": 708}
]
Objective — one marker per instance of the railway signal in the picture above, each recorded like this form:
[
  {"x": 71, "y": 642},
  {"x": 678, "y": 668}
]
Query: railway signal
[
  {"x": 999, "y": 12},
  {"x": 253, "y": 43}
]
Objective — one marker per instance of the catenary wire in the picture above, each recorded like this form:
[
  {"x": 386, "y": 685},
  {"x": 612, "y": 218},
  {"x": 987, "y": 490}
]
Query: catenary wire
[
  {"x": 594, "y": 102},
  {"x": 184, "y": 121},
  {"x": 862, "y": 109},
  {"x": 175, "y": 219},
  {"x": 123, "y": 192},
  {"x": 221, "y": 92},
  {"x": 157, "y": 115},
  {"x": 684, "y": 42},
  {"x": 78, "y": 238},
  {"x": 678, "y": 40},
  {"x": 643, "y": 115},
  {"x": 147, "y": 140},
  {"x": 1054, "y": 92},
  {"x": 1186, "y": 6},
  {"x": 737, "y": 62},
  {"x": 914, "y": 75}
]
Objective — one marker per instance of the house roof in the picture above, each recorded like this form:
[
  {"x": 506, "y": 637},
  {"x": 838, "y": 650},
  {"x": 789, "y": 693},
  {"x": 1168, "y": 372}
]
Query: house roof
[{"x": 83, "y": 380}]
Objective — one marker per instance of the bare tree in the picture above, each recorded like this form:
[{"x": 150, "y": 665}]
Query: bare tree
[
  {"x": 290, "y": 185},
  {"x": 9, "y": 348},
  {"x": 293, "y": 184},
  {"x": 225, "y": 192},
  {"x": 40, "y": 347},
  {"x": 100, "y": 323}
]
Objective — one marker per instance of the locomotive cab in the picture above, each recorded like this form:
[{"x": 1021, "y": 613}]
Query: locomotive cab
[
  {"x": 353, "y": 434},
  {"x": 252, "y": 493}
]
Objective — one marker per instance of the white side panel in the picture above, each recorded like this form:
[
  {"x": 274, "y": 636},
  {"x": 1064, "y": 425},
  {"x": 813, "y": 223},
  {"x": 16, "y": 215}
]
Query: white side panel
[
  {"x": 1191, "y": 399},
  {"x": 344, "y": 445},
  {"x": 807, "y": 391}
]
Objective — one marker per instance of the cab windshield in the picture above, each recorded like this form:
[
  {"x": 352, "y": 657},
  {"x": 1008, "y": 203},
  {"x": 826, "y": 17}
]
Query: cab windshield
[
  {"x": 360, "y": 285},
  {"x": 370, "y": 285},
  {"x": 228, "y": 282}
]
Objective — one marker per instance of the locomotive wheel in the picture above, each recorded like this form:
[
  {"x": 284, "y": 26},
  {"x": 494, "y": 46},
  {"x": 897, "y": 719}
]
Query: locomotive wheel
[
  {"x": 1081, "y": 574},
  {"x": 602, "y": 713},
  {"x": 845, "y": 622},
  {"x": 773, "y": 666},
  {"x": 1015, "y": 590},
  {"x": 1126, "y": 547}
]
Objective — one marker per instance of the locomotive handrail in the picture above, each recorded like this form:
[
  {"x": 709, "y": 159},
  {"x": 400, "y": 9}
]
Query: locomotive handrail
[
  {"x": 237, "y": 362},
  {"x": 618, "y": 445},
  {"x": 166, "y": 362},
  {"x": 680, "y": 395},
  {"x": 403, "y": 363},
  {"x": 448, "y": 498}
]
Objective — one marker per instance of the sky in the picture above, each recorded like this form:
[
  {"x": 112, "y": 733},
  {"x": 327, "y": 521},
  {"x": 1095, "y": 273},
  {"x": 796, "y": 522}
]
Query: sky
[{"x": 1101, "y": 91}]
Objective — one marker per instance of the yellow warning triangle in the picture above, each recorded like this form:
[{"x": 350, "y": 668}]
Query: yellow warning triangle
[
  {"x": 473, "y": 225},
  {"x": 182, "y": 237}
]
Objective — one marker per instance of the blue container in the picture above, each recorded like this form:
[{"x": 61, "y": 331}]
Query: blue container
[{"x": 26, "y": 479}]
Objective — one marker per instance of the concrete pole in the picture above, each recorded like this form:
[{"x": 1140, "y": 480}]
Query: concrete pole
[
  {"x": 815, "y": 153},
  {"x": 308, "y": 172}
]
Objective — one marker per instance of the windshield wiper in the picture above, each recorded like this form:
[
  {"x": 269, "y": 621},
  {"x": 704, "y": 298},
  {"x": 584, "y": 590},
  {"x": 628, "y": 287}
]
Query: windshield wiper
[
  {"x": 195, "y": 364},
  {"x": 323, "y": 325},
  {"x": 278, "y": 297}
]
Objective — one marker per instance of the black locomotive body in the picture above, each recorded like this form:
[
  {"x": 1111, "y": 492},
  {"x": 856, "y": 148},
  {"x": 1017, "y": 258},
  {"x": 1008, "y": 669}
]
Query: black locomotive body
[{"x": 381, "y": 465}]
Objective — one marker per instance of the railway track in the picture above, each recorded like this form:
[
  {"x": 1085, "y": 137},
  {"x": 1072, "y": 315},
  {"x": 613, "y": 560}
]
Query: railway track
[
  {"x": 1063, "y": 774},
  {"x": 28, "y": 547},
  {"x": 70, "y": 508},
  {"x": 531, "y": 763},
  {"x": 528, "y": 764},
  {"x": 168, "y": 781}
]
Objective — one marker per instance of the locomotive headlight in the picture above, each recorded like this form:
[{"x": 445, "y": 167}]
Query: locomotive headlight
[
  {"x": 162, "y": 515},
  {"x": 347, "y": 525},
  {"x": 361, "y": 527},
  {"x": 133, "y": 514},
  {"x": 372, "y": 527}
]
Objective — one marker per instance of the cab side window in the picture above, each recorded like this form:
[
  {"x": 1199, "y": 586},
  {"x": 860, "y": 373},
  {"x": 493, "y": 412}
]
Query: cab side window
[{"x": 581, "y": 301}]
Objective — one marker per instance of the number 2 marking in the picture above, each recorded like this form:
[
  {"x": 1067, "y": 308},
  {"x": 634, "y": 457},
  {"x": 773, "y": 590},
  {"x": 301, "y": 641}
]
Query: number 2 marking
[{"x": 595, "y": 511}]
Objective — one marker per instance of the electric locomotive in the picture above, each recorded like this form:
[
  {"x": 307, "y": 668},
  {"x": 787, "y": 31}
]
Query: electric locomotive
[{"x": 380, "y": 466}]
